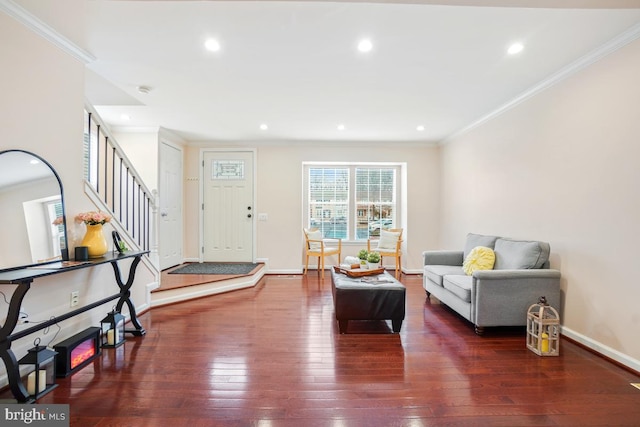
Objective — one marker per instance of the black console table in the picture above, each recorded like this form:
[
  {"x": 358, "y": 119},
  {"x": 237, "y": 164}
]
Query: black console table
[{"x": 23, "y": 278}]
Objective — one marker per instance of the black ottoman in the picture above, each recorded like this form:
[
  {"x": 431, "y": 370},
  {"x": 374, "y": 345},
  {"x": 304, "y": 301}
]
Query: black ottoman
[{"x": 355, "y": 299}]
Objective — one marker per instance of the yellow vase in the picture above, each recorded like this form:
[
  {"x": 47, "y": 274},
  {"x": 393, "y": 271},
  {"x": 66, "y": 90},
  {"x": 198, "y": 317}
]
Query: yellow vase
[{"x": 95, "y": 241}]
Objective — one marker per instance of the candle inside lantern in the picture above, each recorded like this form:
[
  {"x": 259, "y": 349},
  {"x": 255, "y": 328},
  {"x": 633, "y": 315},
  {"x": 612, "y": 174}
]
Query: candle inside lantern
[
  {"x": 111, "y": 337},
  {"x": 31, "y": 382},
  {"x": 544, "y": 345}
]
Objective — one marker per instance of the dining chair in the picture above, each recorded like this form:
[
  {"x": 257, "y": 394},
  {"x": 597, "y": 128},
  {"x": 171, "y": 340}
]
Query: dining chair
[
  {"x": 315, "y": 245},
  {"x": 389, "y": 245}
]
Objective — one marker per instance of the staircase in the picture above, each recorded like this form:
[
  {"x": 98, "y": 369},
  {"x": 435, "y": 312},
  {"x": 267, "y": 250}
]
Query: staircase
[{"x": 115, "y": 187}]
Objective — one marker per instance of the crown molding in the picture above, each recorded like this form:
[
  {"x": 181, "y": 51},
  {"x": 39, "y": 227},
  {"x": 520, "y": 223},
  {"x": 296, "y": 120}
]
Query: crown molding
[
  {"x": 45, "y": 31},
  {"x": 594, "y": 56}
]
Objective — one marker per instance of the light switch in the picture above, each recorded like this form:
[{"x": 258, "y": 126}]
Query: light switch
[{"x": 263, "y": 217}]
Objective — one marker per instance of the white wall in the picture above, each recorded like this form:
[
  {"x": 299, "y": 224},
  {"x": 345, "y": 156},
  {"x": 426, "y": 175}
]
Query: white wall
[
  {"x": 142, "y": 150},
  {"x": 279, "y": 194},
  {"x": 563, "y": 167},
  {"x": 41, "y": 110}
]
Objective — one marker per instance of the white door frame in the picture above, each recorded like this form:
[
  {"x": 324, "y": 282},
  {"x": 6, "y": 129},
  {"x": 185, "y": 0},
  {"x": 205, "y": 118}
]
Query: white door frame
[{"x": 253, "y": 151}]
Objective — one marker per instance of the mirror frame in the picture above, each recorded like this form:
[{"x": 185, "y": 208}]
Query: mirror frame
[{"x": 64, "y": 252}]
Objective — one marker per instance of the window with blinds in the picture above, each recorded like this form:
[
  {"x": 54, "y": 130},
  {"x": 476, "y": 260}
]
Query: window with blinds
[{"x": 351, "y": 202}]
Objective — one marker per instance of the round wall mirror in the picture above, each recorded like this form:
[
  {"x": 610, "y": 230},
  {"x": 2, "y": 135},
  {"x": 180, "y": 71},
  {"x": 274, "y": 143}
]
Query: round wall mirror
[{"x": 32, "y": 210}]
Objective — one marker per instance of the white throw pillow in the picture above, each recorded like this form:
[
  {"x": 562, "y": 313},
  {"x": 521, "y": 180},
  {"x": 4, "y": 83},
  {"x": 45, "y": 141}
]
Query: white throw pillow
[
  {"x": 388, "y": 240},
  {"x": 314, "y": 235}
]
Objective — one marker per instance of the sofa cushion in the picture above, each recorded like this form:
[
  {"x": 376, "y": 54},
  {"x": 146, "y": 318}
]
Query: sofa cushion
[
  {"x": 480, "y": 258},
  {"x": 459, "y": 285},
  {"x": 520, "y": 254},
  {"x": 474, "y": 240},
  {"x": 436, "y": 272}
]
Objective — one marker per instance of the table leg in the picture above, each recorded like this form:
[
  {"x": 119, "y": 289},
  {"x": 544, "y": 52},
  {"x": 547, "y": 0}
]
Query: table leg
[
  {"x": 342, "y": 326},
  {"x": 9, "y": 359},
  {"x": 125, "y": 297}
]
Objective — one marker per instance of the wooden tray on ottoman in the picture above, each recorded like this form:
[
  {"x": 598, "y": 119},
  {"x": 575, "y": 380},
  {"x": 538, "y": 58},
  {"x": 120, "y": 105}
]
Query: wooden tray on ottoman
[{"x": 357, "y": 272}]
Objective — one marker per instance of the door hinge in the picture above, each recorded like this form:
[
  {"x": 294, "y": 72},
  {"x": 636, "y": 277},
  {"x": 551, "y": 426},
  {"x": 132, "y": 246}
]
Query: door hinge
[
  {"x": 203, "y": 249},
  {"x": 203, "y": 206}
]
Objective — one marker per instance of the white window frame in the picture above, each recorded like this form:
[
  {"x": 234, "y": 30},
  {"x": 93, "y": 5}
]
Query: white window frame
[{"x": 399, "y": 192}]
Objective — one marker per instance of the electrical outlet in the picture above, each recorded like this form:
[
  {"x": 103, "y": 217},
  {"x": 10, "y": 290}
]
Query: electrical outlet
[
  {"x": 75, "y": 298},
  {"x": 22, "y": 318}
]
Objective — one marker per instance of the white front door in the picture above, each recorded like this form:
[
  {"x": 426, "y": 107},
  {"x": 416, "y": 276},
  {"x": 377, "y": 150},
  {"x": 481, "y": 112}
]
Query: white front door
[
  {"x": 228, "y": 215},
  {"x": 170, "y": 204}
]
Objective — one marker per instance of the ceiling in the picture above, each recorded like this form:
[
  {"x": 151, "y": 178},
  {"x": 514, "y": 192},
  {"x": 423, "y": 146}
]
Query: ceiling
[{"x": 295, "y": 66}]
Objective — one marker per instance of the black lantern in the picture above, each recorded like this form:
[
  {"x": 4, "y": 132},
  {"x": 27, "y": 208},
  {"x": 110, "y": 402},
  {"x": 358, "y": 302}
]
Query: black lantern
[
  {"x": 112, "y": 330},
  {"x": 41, "y": 378}
]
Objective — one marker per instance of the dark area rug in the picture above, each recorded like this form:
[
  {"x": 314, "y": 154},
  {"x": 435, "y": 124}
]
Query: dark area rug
[{"x": 216, "y": 268}]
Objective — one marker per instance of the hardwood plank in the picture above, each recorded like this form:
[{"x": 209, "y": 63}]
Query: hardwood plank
[{"x": 272, "y": 355}]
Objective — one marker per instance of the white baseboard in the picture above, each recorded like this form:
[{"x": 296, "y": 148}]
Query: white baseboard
[
  {"x": 390, "y": 268},
  {"x": 147, "y": 303},
  {"x": 152, "y": 286},
  {"x": 285, "y": 272},
  {"x": 602, "y": 349}
]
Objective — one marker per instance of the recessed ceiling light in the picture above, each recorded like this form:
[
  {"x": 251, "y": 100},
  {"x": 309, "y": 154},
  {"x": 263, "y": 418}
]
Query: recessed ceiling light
[
  {"x": 365, "y": 45},
  {"x": 125, "y": 117},
  {"x": 212, "y": 45},
  {"x": 264, "y": 126},
  {"x": 144, "y": 89},
  {"x": 419, "y": 128},
  {"x": 341, "y": 127},
  {"x": 515, "y": 48}
]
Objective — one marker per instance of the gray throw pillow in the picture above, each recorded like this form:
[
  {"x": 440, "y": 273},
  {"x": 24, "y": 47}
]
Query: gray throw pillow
[
  {"x": 474, "y": 240},
  {"x": 520, "y": 254}
]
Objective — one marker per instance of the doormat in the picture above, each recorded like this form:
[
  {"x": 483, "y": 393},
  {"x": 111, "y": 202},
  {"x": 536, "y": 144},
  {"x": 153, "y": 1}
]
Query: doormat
[{"x": 216, "y": 268}]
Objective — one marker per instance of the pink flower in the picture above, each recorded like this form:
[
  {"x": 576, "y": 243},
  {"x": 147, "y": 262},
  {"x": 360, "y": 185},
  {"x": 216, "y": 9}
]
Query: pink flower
[
  {"x": 93, "y": 218},
  {"x": 58, "y": 220}
]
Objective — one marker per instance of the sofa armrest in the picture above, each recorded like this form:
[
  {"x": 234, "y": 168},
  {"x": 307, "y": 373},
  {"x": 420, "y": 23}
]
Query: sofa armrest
[
  {"x": 502, "y": 297},
  {"x": 442, "y": 257}
]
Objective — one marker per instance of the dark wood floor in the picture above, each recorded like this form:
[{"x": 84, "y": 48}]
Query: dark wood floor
[{"x": 272, "y": 356}]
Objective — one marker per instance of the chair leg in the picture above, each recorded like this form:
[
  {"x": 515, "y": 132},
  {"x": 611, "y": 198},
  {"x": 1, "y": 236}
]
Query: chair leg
[
  {"x": 322, "y": 270},
  {"x": 306, "y": 266}
]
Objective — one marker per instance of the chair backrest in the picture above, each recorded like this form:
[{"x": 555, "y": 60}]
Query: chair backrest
[
  {"x": 396, "y": 230},
  {"x": 389, "y": 241},
  {"x": 312, "y": 234}
]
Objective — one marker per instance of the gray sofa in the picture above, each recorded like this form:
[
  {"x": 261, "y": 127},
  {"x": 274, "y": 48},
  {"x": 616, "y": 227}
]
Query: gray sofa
[{"x": 498, "y": 297}]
